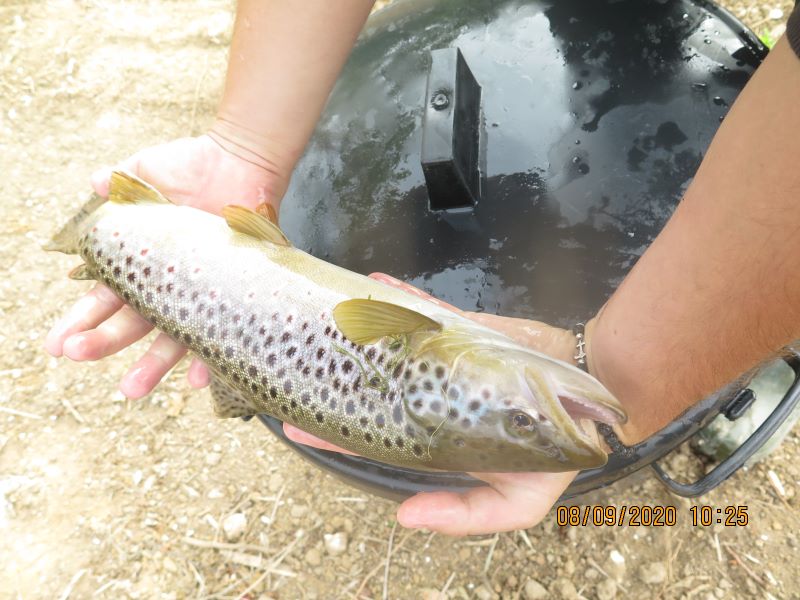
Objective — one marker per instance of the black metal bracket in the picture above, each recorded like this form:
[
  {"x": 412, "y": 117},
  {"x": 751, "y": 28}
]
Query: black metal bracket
[
  {"x": 451, "y": 126},
  {"x": 742, "y": 454}
]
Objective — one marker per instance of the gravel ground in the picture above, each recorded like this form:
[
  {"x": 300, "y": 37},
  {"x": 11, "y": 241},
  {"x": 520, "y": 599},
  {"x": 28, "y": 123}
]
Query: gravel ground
[{"x": 101, "y": 497}]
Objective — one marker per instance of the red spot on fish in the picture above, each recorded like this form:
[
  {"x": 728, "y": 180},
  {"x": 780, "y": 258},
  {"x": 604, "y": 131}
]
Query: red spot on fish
[
  {"x": 197, "y": 269},
  {"x": 212, "y": 294},
  {"x": 143, "y": 252},
  {"x": 94, "y": 229},
  {"x": 171, "y": 269},
  {"x": 116, "y": 234}
]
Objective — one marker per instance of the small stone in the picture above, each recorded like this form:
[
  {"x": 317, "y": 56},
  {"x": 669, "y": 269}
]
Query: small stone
[
  {"x": 534, "y": 590},
  {"x": 464, "y": 553},
  {"x": 170, "y": 565},
  {"x": 653, "y": 573},
  {"x": 275, "y": 482},
  {"x": 298, "y": 510},
  {"x": 233, "y": 526},
  {"x": 213, "y": 458},
  {"x": 776, "y": 14},
  {"x": 615, "y": 564},
  {"x": 569, "y": 567},
  {"x": 313, "y": 557},
  {"x": 564, "y": 588},
  {"x": 512, "y": 581},
  {"x": 606, "y": 589},
  {"x": 335, "y": 543},
  {"x": 483, "y": 593},
  {"x": 591, "y": 573},
  {"x": 430, "y": 594},
  {"x": 777, "y": 526}
]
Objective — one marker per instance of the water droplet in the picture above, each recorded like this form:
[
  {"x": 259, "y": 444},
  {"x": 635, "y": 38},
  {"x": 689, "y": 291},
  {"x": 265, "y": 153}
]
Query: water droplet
[
  {"x": 577, "y": 85},
  {"x": 719, "y": 101}
]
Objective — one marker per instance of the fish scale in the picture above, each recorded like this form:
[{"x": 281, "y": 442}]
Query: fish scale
[{"x": 375, "y": 370}]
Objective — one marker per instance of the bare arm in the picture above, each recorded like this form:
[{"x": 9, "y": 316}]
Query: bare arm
[
  {"x": 719, "y": 289},
  {"x": 284, "y": 59}
]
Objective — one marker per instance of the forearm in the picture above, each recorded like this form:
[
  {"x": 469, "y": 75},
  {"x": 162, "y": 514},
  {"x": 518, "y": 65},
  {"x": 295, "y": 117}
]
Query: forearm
[
  {"x": 718, "y": 291},
  {"x": 284, "y": 59}
]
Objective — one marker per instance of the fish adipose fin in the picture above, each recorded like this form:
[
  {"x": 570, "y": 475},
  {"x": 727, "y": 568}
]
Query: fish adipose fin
[
  {"x": 66, "y": 240},
  {"x": 254, "y": 224},
  {"x": 366, "y": 321},
  {"x": 125, "y": 188},
  {"x": 229, "y": 403},
  {"x": 81, "y": 273}
]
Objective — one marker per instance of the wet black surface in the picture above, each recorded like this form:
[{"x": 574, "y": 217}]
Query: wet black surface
[{"x": 597, "y": 115}]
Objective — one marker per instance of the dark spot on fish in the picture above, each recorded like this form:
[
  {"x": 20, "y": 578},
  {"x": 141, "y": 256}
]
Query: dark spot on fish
[
  {"x": 262, "y": 330},
  {"x": 364, "y": 421},
  {"x": 370, "y": 406},
  {"x": 417, "y": 404},
  {"x": 459, "y": 443},
  {"x": 409, "y": 431},
  {"x": 331, "y": 367},
  {"x": 187, "y": 338},
  {"x": 380, "y": 421},
  {"x": 387, "y": 442},
  {"x": 223, "y": 334},
  {"x": 399, "y": 442},
  {"x": 453, "y": 414},
  {"x": 210, "y": 312},
  {"x": 273, "y": 392},
  {"x": 466, "y": 423},
  {"x": 291, "y": 352},
  {"x": 148, "y": 297},
  {"x": 165, "y": 309},
  {"x": 211, "y": 331},
  {"x": 217, "y": 354},
  {"x": 268, "y": 341},
  {"x": 319, "y": 373},
  {"x": 436, "y": 406},
  {"x": 289, "y": 319},
  {"x": 397, "y": 414},
  {"x": 305, "y": 399},
  {"x": 99, "y": 253},
  {"x": 128, "y": 260},
  {"x": 140, "y": 286},
  {"x": 146, "y": 271},
  {"x": 299, "y": 364},
  {"x": 237, "y": 318},
  {"x": 284, "y": 408},
  {"x": 171, "y": 269},
  {"x": 347, "y": 366},
  {"x": 254, "y": 387},
  {"x": 183, "y": 314},
  {"x": 206, "y": 352},
  {"x": 272, "y": 359},
  {"x": 246, "y": 341},
  {"x": 320, "y": 353},
  {"x": 305, "y": 325},
  {"x": 252, "y": 371},
  {"x": 309, "y": 339},
  {"x": 228, "y": 351},
  {"x": 368, "y": 437},
  {"x": 345, "y": 431},
  {"x": 264, "y": 395},
  {"x": 222, "y": 307},
  {"x": 350, "y": 407},
  {"x": 371, "y": 353},
  {"x": 337, "y": 383},
  {"x": 362, "y": 401},
  {"x": 274, "y": 316},
  {"x": 381, "y": 358},
  {"x": 428, "y": 385},
  {"x": 453, "y": 393},
  {"x": 475, "y": 405},
  {"x": 332, "y": 404},
  {"x": 181, "y": 294},
  {"x": 323, "y": 394},
  {"x": 417, "y": 449},
  {"x": 306, "y": 370},
  {"x": 485, "y": 394},
  {"x": 335, "y": 335},
  {"x": 235, "y": 376},
  {"x": 357, "y": 384},
  {"x": 287, "y": 386},
  {"x": 412, "y": 389},
  {"x": 281, "y": 373},
  {"x": 170, "y": 287},
  {"x": 319, "y": 417},
  {"x": 109, "y": 262},
  {"x": 285, "y": 337},
  {"x": 391, "y": 396},
  {"x": 117, "y": 271},
  {"x": 328, "y": 330}
]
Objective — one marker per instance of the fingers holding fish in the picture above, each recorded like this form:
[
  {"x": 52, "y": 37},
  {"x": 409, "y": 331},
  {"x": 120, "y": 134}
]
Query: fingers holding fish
[
  {"x": 150, "y": 369},
  {"x": 86, "y": 314},
  {"x": 122, "y": 329},
  {"x": 198, "y": 375},
  {"x": 512, "y": 501}
]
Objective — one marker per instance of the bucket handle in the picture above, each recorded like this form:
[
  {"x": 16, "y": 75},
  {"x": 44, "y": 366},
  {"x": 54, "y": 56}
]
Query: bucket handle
[{"x": 742, "y": 454}]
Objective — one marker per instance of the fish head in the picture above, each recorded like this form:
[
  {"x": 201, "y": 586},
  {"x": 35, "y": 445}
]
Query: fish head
[{"x": 511, "y": 409}]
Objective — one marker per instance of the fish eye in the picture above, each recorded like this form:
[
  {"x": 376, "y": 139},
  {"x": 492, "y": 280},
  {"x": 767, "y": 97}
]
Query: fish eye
[{"x": 522, "y": 420}]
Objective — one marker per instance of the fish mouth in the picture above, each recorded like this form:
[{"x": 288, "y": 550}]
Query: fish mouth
[{"x": 586, "y": 414}]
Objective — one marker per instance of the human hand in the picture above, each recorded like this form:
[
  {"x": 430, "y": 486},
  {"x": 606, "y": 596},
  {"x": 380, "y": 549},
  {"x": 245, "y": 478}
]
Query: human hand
[
  {"x": 196, "y": 172},
  {"x": 511, "y": 500}
]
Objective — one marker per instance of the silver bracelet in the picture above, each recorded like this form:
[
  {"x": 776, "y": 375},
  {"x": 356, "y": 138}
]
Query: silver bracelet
[{"x": 579, "y": 329}]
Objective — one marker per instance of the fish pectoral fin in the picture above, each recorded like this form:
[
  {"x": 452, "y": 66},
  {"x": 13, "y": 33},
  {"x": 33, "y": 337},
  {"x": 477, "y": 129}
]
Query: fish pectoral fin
[
  {"x": 126, "y": 188},
  {"x": 254, "y": 224},
  {"x": 365, "y": 321},
  {"x": 266, "y": 210},
  {"x": 228, "y": 403},
  {"x": 81, "y": 273}
]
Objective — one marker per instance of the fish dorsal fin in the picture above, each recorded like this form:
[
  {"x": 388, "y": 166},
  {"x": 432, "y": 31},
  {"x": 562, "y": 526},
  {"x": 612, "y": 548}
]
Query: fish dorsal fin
[
  {"x": 249, "y": 222},
  {"x": 81, "y": 273},
  {"x": 126, "y": 188},
  {"x": 366, "y": 321}
]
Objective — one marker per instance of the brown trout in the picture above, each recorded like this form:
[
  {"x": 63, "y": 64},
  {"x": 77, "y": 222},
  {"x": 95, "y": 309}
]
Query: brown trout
[{"x": 376, "y": 370}]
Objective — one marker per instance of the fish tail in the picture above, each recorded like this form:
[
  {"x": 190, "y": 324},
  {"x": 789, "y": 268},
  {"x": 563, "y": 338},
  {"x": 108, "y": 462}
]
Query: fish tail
[{"x": 66, "y": 240}]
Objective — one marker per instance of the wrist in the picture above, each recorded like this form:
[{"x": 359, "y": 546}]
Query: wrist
[{"x": 257, "y": 149}]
